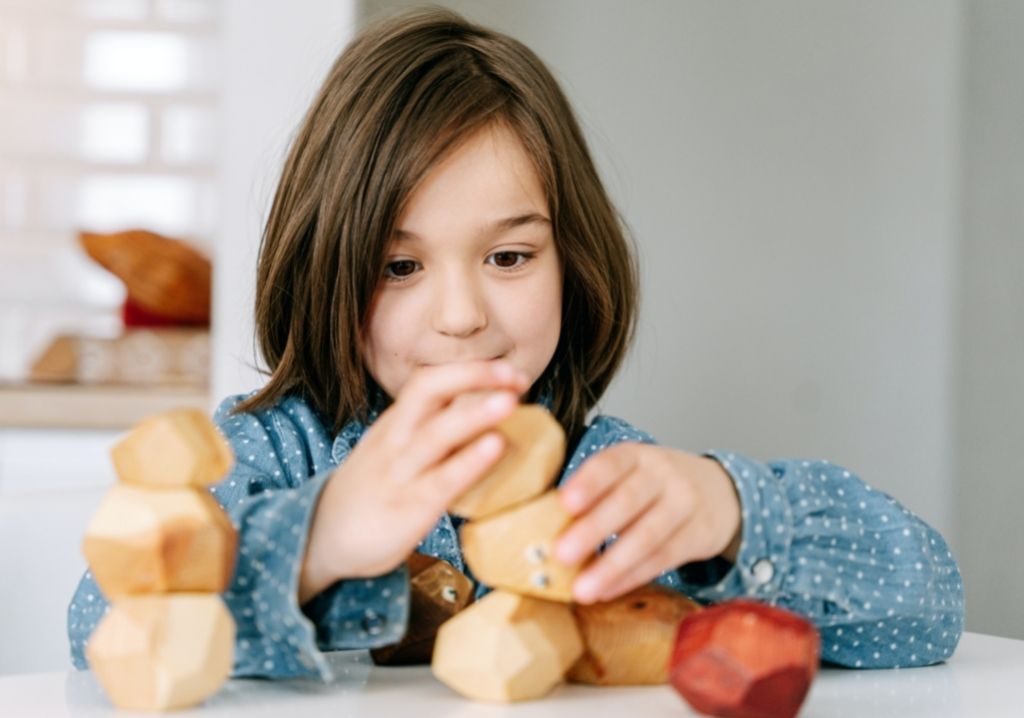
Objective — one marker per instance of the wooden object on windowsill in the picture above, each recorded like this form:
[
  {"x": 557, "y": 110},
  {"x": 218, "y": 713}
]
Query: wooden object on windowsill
[
  {"x": 142, "y": 357},
  {"x": 167, "y": 280}
]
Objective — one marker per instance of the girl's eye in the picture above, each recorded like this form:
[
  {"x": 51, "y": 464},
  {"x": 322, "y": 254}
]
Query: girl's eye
[
  {"x": 401, "y": 269},
  {"x": 510, "y": 260}
]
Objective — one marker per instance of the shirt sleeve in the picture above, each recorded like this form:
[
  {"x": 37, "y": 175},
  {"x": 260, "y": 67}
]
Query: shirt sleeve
[
  {"x": 881, "y": 585},
  {"x": 270, "y": 496}
]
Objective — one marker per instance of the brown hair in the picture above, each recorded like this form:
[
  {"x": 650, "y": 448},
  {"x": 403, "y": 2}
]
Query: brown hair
[{"x": 405, "y": 92}]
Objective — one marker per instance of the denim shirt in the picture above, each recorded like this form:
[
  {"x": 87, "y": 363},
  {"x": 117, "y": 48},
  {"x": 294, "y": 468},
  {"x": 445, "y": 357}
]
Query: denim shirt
[{"x": 880, "y": 585}]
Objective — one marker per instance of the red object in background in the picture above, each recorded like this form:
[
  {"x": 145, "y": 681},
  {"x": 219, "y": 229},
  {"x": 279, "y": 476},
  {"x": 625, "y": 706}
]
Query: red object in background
[
  {"x": 136, "y": 317},
  {"x": 743, "y": 659}
]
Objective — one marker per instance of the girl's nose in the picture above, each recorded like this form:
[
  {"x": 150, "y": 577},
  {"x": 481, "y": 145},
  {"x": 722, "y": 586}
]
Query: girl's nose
[{"x": 459, "y": 309}]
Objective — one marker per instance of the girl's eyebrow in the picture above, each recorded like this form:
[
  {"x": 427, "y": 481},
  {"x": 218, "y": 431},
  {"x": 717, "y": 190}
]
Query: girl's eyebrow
[{"x": 498, "y": 227}]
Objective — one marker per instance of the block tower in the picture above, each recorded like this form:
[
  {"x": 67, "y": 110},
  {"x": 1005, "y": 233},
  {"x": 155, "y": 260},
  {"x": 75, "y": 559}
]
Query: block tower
[
  {"x": 161, "y": 549},
  {"x": 525, "y": 637}
]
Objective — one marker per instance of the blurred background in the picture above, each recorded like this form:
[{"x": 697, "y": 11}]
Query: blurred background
[{"x": 827, "y": 199}]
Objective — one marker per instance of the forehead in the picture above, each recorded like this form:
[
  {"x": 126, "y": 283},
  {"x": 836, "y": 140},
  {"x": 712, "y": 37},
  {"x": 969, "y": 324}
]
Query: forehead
[{"x": 487, "y": 177}]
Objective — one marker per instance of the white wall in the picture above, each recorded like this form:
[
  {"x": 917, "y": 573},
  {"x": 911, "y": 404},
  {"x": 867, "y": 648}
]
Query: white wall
[
  {"x": 275, "y": 56},
  {"x": 990, "y": 380}
]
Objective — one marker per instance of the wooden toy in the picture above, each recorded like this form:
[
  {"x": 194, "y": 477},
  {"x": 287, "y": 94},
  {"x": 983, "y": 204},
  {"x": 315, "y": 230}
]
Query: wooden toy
[
  {"x": 167, "y": 280},
  {"x": 437, "y": 592},
  {"x": 743, "y": 659},
  {"x": 514, "y": 549},
  {"x": 173, "y": 449},
  {"x": 506, "y": 647},
  {"x": 161, "y": 548},
  {"x": 533, "y": 456},
  {"x": 628, "y": 641},
  {"x": 153, "y": 541},
  {"x": 162, "y": 652}
]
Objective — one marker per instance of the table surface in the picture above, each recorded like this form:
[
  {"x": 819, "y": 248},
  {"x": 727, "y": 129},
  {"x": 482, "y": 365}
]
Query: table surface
[{"x": 981, "y": 679}]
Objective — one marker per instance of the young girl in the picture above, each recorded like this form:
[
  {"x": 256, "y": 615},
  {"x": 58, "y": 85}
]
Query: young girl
[{"x": 440, "y": 230}]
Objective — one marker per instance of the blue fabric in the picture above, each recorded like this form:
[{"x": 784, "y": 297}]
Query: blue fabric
[{"x": 881, "y": 585}]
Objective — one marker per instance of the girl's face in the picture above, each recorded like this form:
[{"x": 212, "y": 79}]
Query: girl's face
[{"x": 472, "y": 272}]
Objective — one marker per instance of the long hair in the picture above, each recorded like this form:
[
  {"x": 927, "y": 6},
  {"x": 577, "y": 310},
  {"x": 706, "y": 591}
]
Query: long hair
[{"x": 404, "y": 93}]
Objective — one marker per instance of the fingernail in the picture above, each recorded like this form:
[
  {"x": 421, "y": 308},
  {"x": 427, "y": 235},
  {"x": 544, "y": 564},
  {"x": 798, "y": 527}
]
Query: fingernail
[
  {"x": 500, "y": 402},
  {"x": 566, "y": 553},
  {"x": 585, "y": 589},
  {"x": 490, "y": 444}
]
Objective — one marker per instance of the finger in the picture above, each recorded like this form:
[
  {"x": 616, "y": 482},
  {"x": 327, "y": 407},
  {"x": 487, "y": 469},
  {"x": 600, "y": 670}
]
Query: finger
[
  {"x": 455, "y": 475},
  {"x": 669, "y": 557},
  {"x": 455, "y": 426},
  {"x": 631, "y": 496},
  {"x": 431, "y": 388},
  {"x": 644, "y": 538},
  {"x": 597, "y": 476}
]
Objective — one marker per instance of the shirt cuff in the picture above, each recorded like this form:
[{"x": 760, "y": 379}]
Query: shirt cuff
[
  {"x": 276, "y": 638},
  {"x": 362, "y": 613},
  {"x": 763, "y": 559}
]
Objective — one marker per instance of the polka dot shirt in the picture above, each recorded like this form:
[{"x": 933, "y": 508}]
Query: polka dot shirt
[{"x": 881, "y": 585}]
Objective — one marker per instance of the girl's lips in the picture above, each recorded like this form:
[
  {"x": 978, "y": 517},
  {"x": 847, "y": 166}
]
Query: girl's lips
[{"x": 458, "y": 361}]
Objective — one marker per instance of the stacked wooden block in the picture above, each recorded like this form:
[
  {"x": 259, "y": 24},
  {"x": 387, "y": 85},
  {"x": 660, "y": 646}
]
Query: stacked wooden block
[
  {"x": 161, "y": 549},
  {"x": 526, "y": 636}
]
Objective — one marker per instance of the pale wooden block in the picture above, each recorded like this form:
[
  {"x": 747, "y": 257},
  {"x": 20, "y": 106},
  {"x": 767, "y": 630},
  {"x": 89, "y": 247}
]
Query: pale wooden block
[
  {"x": 157, "y": 653},
  {"x": 629, "y": 641},
  {"x": 506, "y": 647},
  {"x": 177, "y": 448},
  {"x": 152, "y": 541},
  {"x": 514, "y": 550},
  {"x": 532, "y": 460}
]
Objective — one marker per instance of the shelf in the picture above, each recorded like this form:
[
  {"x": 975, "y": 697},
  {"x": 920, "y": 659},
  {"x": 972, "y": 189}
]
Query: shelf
[{"x": 70, "y": 406}]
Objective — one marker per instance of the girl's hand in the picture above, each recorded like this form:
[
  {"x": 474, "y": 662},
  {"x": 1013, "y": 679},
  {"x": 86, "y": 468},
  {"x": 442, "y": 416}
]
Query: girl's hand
[
  {"x": 418, "y": 456},
  {"x": 668, "y": 508}
]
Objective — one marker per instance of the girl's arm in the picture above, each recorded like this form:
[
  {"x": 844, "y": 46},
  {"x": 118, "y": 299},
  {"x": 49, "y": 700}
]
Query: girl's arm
[{"x": 880, "y": 584}]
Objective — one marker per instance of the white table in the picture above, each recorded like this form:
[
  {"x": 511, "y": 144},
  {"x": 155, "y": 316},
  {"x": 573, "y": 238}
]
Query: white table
[{"x": 984, "y": 678}]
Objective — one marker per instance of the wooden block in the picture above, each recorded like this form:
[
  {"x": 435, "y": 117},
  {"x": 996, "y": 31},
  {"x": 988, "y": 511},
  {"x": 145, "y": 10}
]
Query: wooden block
[
  {"x": 437, "y": 591},
  {"x": 506, "y": 647},
  {"x": 177, "y": 448},
  {"x": 745, "y": 659},
  {"x": 514, "y": 550},
  {"x": 629, "y": 641},
  {"x": 532, "y": 461},
  {"x": 156, "y": 653},
  {"x": 153, "y": 541}
]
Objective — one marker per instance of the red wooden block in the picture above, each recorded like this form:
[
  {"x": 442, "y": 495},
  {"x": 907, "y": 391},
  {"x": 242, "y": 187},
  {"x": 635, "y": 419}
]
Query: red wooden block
[{"x": 743, "y": 659}]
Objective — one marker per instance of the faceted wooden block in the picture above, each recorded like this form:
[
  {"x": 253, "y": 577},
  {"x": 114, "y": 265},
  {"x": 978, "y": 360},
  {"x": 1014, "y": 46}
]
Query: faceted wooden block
[
  {"x": 155, "y": 541},
  {"x": 438, "y": 591},
  {"x": 174, "y": 449},
  {"x": 506, "y": 647},
  {"x": 628, "y": 641},
  {"x": 533, "y": 458},
  {"x": 743, "y": 659},
  {"x": 157, "y": 653},
  {"x": 514, "y": 550}
]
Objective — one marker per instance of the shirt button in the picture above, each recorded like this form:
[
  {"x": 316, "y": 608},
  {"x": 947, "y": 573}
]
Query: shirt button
[
  {"x": 372, "y": 623},
  {"x": 762, "y": 571}
]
